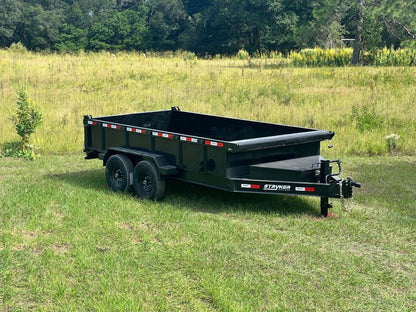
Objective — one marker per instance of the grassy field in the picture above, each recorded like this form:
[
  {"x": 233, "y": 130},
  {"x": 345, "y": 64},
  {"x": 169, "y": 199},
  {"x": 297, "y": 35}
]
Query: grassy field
[
  {"x": 68, "y": 243},
  {"x": 362, "y": 105}
]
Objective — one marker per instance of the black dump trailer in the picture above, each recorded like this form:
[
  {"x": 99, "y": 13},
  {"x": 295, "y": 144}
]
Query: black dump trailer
[{"x": 142, "y": 150}]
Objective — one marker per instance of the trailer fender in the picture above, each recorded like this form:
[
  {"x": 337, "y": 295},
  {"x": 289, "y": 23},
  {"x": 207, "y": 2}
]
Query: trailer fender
[{"x": 160, "y": 161}]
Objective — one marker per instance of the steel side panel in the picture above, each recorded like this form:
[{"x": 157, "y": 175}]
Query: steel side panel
[
  {"x": 114, "y": 138},
  {"x": 216, "y": 161},
  {"x": 96, "y": 137},
  {"x": 140, "y": 141},
  {"x": 166, "y": 146},
  {"x": 191, "y": 156}
]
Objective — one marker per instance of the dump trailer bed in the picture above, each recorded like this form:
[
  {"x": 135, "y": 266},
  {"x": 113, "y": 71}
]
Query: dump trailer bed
[{"x": 141, "y": 150}]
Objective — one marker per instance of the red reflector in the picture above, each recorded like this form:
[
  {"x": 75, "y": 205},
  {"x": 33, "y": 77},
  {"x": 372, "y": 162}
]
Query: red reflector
[{"x": 309, "y": 189}]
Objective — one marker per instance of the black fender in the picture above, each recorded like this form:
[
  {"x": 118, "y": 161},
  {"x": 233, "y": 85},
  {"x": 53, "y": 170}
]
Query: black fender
[{"x": 161, "y": 161}]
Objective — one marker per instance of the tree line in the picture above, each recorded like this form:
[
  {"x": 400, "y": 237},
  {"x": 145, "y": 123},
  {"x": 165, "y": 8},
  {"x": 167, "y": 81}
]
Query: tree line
[{"x": 207, "y": 26}]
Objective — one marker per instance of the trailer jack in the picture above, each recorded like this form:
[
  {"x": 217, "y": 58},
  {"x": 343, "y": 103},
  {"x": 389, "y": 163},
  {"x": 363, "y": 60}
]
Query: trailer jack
[{"x": 325, "y": 205}]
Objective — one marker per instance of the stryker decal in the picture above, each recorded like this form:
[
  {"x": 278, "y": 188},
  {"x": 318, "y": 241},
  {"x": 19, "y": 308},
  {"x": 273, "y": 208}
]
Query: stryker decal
[{"x": 276, "y": 187}]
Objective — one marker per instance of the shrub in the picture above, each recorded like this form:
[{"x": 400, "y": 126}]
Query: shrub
[
  {"x": 243, "y": 55},
  {"x": 399, "y": 57},
  {"x": 18, "y": 48},
  {"x": 391, "y": 141},
  {"x": 321, "y": 57},
  {"x": 28, "y": 117},
  {"x": 342, "y": 57},
  {"x": 366, "y": 117}
]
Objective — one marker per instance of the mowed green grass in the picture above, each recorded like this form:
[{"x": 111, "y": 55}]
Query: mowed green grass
[{"x": 68, "y": 243}]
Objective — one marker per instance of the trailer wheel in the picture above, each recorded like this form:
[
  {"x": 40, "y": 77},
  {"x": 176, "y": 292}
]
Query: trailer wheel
[
  {"x": 147, "y": 182},
  {"x": 119, "y": 173}
]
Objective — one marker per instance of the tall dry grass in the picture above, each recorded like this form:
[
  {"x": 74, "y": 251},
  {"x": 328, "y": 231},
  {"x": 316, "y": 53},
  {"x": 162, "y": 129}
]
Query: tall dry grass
[{"x": 338, "y": 99}]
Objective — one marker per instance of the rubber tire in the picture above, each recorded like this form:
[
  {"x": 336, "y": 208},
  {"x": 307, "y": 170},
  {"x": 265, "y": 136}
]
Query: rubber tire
[
  {"x": 147, "y": 181},
  {"x": 119, "y": 172}
]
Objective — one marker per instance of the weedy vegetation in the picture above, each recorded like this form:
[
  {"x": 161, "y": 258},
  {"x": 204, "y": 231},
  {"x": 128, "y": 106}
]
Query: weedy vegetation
[
  {"x": 362, "y": 105},
  {"x": 27, "y": 118},
  {"x": 68, "y": 243}
]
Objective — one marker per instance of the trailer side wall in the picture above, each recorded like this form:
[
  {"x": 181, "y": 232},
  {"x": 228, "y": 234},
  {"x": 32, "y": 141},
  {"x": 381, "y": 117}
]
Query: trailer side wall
[{"x": 165, "y": 132}]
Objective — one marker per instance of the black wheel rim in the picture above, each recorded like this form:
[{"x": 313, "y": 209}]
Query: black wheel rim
[
  {"x": 145, "y": 183},
  {"x": 117, "y": 177}
]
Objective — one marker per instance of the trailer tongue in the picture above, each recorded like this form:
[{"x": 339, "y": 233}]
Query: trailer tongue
[{"x": 141, "y": 150}]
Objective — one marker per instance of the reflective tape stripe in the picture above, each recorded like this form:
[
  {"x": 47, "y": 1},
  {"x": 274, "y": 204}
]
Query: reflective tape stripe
[
  {"x": 188, "y": 139},
  {"x": 135, "y": 130},
  {"x": 162, "y": 135},
  {"x": 105, "y": 125},
  {"x": 305, "y": 189},
  {"x": 250, "y": 186},
  {"x": 212, "y": 143},
  {"x": 93, "y": 123}
]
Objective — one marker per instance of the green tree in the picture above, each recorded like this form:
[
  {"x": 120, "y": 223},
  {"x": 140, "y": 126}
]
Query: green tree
[
  {"x": 37, "y": 28},
  {"x": 10, "y": 15},
  {"x": 255, "y": 25},
  {"x": 322, "y": 25},
  {"x": 382, "y": 23},
  {"x": 207, "y": 26},
  {"x": 166, "y": 21},
  {"x": 372, "y": 24},
  {"x": 123, "y": 30},
  {"x": 71, "y": 39},
  {"x": 139, "y": 30},
  {"x": 80, "y": 16}
]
